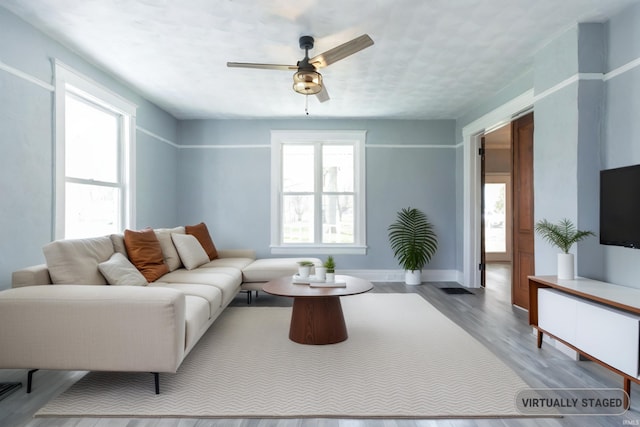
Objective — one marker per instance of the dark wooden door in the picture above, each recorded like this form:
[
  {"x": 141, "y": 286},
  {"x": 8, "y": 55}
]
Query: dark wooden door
[{"x": 523, "y": 220}]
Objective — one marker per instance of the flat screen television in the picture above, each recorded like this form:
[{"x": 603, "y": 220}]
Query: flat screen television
[{"x": 620, "y": 206}]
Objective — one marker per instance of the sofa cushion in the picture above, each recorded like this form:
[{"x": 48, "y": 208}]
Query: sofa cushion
[
  {"x": 263, "y": 270},
  {"x": 169, "y": 252},
  {"x": 202, "y": 275},
  {"x": 145, "y": 253},
  {"x": 190, "y": 250},
  {"x": 118, "y": 270},
  {"x": 75, "y": 261},
  {"x": 228, "y": 280},
  {"x": 201, "y": 233},
  {"x": 238, "y": 263},
  {"x": 212, "y": 294}
]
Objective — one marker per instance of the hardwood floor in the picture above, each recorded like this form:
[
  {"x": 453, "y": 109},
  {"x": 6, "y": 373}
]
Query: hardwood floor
[{"x": 487, "y": 315}]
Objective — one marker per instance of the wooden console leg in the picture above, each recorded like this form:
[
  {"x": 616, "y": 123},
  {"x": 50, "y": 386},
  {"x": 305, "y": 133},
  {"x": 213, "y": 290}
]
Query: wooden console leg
[{"x": 627, "y": 393}]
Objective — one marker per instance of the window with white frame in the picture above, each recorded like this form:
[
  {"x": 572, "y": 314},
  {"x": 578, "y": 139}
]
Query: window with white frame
[
  {"x": 318, "y": 192},
  {"x": 94, "y": 149}
]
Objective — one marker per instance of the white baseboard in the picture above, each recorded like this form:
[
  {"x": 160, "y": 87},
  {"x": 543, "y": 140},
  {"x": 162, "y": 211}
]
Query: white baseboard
[{"x": 398, "y": 275}]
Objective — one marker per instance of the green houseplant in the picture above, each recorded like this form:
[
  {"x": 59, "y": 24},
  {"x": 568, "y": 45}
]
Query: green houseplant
[
  {"x": 562, "y": 235},
  {"x": 413, "y": 242},
  {"x": 330, "y": 266}
]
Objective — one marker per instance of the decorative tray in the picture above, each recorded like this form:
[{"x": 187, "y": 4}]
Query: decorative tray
[
  {"x": 316, "y": 282},
  {"x": 328, "y": 284}
]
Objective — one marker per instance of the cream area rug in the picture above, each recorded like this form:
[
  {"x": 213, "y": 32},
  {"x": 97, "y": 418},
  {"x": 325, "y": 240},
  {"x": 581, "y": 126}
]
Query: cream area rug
[{"x": 403, "y": 359}]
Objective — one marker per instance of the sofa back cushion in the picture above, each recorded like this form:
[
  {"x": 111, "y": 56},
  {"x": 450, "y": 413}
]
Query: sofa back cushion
[
  {"x": 75, "y": 261},
  {"x": 200, "y": 232},
  {"x": 118, "y": 244},
  {"x": 145, "y": 253},
  {"x": 169, "y": 252}
]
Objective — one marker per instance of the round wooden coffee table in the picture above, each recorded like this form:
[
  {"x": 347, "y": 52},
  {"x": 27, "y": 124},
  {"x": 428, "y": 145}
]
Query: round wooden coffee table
[{"x": 317, "y": 316}]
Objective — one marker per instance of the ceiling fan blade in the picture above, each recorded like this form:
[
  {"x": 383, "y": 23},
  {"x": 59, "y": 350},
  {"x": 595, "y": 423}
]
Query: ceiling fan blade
[
  {"x": 323, "y": 95},
  {"x": 342, "y": 51},
  {"x": 261, "y": 66}
]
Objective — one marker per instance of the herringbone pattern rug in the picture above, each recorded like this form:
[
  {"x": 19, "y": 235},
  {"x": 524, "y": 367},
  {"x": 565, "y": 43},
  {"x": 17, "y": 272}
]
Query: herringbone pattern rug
[{"x": 403, "y": 359}]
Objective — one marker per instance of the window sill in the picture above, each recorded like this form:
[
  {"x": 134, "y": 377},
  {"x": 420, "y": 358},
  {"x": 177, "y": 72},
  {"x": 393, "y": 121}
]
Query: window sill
[{"x": 319, "y": 250}]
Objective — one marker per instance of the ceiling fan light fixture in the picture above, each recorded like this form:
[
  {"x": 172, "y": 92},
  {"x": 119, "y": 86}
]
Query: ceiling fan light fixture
[{"x": 307, "y": 82}]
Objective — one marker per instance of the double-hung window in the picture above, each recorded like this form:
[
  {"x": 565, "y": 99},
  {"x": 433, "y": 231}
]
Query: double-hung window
[
  {"x": 318, "y": 192},
  {"x": 94, "y": 148}
]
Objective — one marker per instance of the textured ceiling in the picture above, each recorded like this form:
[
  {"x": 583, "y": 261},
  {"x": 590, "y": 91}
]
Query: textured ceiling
[{"x": 431, "y": 58}]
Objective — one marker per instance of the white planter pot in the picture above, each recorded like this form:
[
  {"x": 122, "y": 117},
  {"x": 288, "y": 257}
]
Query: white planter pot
[
  {"x": 304, "y": 270},
  {"x": 331, "y": 277},
  {"x": 321, "y": 273},
  {"x": 565, "y": 267},
  {"x": 413, "y": 277}
]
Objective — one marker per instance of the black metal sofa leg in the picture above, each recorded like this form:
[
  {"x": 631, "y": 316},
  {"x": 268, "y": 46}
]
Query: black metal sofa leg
[
  {"x": 30, "y": 379},
  {"x": 156, "y": 377}
]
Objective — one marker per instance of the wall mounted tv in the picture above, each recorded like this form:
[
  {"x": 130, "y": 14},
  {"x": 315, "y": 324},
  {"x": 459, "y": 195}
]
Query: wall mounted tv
[{"x": 620, "y": 206}]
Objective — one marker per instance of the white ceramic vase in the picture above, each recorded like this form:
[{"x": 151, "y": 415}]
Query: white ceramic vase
[
  {"x": 413, "y": 277},
  {"x": 321, "y": 273},
  {"x": 331, "y": 277},
  {"x": 565, "y": 267}
]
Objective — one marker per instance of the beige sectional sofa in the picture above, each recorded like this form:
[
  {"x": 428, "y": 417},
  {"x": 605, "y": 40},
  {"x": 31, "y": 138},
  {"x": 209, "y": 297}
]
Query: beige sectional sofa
[{"x": 88, "y": 308}]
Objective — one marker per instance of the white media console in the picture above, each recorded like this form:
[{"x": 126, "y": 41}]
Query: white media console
[{"x": 599, "y": 320}]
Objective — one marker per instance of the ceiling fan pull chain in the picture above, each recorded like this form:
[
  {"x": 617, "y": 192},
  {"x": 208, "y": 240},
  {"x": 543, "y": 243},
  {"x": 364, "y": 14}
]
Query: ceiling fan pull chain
[{"x": 306, "y": 104}]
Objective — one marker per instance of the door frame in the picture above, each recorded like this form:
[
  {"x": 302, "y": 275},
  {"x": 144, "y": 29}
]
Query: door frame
[{"x": 472, "y": 191}]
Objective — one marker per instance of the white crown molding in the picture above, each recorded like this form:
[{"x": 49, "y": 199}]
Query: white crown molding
[{"x": 496, "y": 118}]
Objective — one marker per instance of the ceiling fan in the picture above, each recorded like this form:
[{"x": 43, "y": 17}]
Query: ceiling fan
[{"x": 307, "y": 80}]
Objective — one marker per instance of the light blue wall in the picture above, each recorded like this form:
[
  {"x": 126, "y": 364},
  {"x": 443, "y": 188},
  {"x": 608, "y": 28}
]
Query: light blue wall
[
  {"x": 621, "y": 145},
  {"x": 227, "y": 183},
  {"x": 567, "y": 141},
  {"x": 26, "y": 140}
]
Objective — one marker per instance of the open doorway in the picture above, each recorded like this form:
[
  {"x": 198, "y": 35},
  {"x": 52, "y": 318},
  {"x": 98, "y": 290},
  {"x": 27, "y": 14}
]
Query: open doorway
[{"x": 498, "y": 209}]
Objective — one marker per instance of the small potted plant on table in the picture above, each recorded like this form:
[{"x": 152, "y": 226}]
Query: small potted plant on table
[
  {"x": 304, "y": 268},
  {"x": 330, "y": 265}
]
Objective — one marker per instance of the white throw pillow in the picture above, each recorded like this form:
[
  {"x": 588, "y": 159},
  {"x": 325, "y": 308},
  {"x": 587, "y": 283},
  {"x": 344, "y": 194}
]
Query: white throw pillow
[
  {"x": 118, "y": 270},
  {"x": 190, "y": 250}
]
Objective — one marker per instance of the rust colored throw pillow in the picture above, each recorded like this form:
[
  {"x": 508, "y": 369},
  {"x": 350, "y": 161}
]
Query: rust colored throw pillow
[
  {"x": 145, "y": 252},
  {"x": 200, "y": 232}
]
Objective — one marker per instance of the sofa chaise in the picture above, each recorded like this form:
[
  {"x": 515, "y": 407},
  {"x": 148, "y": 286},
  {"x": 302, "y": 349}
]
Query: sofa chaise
[{"x": 132, "y": 302}]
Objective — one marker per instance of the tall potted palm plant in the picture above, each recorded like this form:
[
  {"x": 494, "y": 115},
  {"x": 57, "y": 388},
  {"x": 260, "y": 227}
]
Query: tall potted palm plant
[
  {"x": 562, "y": 235},
  {"x": 413, "y": 242}
]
